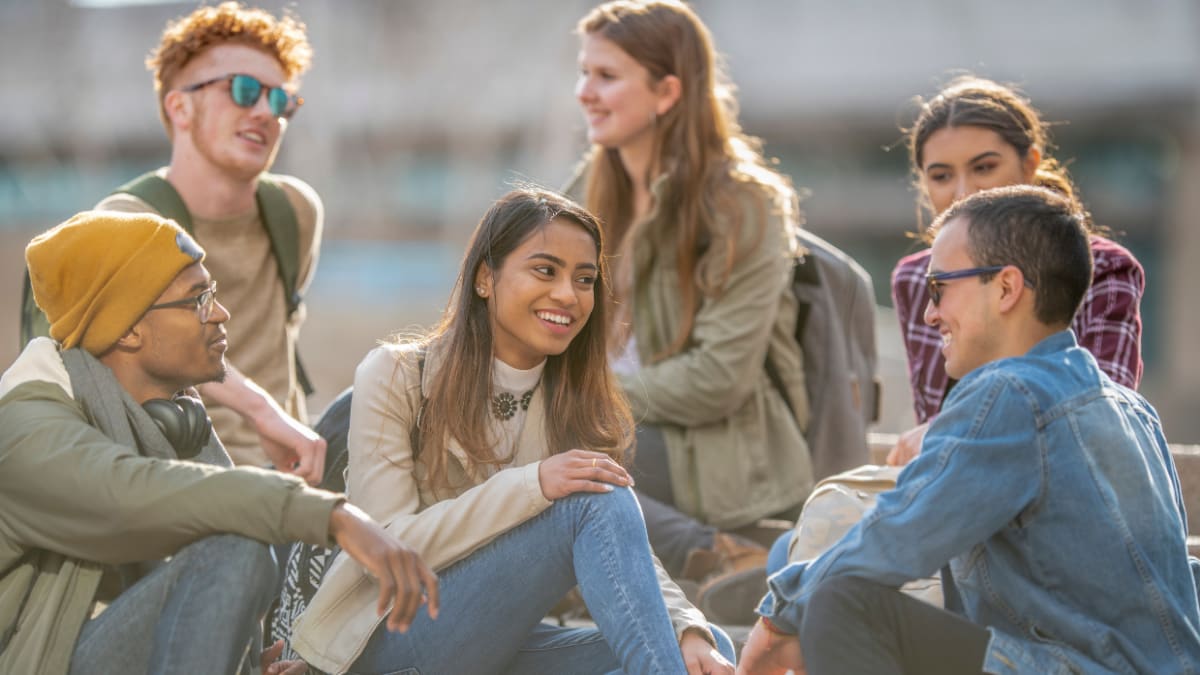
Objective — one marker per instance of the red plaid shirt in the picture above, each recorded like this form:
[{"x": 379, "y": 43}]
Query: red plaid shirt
[{"x": 1108, "y": 324}]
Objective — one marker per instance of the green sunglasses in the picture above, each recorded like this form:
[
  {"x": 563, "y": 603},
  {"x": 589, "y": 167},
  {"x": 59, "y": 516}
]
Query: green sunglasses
[{"x": 245, "y": 91}]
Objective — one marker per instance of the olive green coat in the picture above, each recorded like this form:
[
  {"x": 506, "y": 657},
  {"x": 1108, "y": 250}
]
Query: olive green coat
[{"x": 736, "y": 452}]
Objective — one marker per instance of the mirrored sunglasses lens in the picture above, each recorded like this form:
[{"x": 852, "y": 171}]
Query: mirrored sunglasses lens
[
  {"x": 245, "y": 90},
  {"x": 278, "y": 98}
]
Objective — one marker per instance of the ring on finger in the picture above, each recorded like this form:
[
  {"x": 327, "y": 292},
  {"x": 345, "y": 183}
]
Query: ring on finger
[{"x": 594, "y": 461}]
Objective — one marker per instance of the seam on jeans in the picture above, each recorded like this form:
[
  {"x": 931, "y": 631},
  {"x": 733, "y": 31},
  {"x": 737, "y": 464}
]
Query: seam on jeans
[
  {"x": 621, "y": 595},
  {"x": 184, "y": 583},
  {"x": 596, "y": 637}
]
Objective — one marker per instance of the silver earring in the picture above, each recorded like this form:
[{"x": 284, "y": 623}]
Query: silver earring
[{"x": 480, "y": 290}]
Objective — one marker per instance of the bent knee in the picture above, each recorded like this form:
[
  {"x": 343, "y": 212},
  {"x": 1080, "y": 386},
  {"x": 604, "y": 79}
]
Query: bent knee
[
  {"x": 838, "y": 592},
  {"x": 618, "y": 506},
  {"x": 234, "y": 556},
  {"x": 620, "y": 501}
]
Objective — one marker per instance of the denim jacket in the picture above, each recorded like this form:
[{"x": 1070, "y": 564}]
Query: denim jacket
[{"x": 1051, "y": 493}]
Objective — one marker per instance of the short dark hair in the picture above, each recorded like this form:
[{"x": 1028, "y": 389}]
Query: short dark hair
[{"x": 1039, "y": 231}]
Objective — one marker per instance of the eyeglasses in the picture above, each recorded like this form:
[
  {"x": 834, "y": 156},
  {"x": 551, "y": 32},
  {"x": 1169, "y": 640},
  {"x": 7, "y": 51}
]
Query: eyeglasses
[
  {"x": 245, "y": 91},
  {"x": 935, "y": 280},
  {"x": 203, "y": 303}
]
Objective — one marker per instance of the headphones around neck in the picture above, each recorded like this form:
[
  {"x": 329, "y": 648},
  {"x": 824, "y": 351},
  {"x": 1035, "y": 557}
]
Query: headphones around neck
[{"x": 184, "y": 421}]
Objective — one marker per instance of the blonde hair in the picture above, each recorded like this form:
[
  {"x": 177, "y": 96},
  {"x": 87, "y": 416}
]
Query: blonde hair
[
  {"x": 698, "y": 144},
  {"x": 187, "y": 37}
]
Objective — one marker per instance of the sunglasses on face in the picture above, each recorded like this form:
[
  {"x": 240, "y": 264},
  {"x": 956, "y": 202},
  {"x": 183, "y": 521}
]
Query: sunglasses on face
[
  {"x": 935, "y": 280},
  {"x": 246, "y": 90},
  {"x": 202, "y": 303}
]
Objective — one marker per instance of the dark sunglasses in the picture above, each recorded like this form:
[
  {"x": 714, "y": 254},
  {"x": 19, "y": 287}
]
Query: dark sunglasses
[
  {"x": 202, "y": 303},
  {"x": 246, "y": 90},
  {"x": 935, "y": 280}
]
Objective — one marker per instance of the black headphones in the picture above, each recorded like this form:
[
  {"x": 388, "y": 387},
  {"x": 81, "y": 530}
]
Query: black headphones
[{"x": 184, "y": 421}]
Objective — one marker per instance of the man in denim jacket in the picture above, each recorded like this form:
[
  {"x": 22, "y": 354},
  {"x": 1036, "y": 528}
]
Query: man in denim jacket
[{"x": 1047, "y": 489}]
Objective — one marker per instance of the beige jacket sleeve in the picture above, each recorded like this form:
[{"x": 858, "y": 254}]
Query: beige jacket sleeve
[
  {"x": 382, "y": 474},
  {"x": 712, "y": 378}
]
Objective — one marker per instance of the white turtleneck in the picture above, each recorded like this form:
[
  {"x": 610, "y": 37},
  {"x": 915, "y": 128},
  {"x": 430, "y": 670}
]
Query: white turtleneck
[{"x": 515, "y": 382}]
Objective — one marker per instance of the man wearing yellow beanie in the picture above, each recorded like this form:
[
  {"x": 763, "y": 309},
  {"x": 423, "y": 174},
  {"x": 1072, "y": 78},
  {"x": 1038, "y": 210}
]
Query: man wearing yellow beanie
[{"x": 94, "y": 494}]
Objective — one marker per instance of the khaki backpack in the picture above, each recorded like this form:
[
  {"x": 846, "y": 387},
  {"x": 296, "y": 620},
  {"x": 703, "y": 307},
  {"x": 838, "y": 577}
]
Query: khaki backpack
[{"x": 835, "y": 505}]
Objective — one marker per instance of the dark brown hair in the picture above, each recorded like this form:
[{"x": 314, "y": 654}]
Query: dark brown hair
[
  {"x": 978, "y": 102},
  {"x": 585, "y": 408},
  {"x": 1041, "y": 232}
]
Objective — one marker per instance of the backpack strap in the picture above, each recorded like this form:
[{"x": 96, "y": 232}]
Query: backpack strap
[
  {"x": 283, "y": 229},
  {"x": 278, "y": 217},
  {"x": 161, "y": 196},
  {"x": 33, "y": 321},
  {"x": 807, "y": 272},
  {"x": 804, "y": 271}
]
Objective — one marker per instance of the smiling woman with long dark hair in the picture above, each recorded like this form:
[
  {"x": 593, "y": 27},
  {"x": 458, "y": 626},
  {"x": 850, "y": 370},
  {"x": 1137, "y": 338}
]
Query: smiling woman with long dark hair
[{"x": 494, "y": 447}]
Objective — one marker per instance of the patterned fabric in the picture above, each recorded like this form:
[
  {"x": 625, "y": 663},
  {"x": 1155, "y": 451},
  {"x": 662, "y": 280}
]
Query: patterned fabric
[
  {"x": 306, "y": 566},
  {"x": 1108, "y": 324}
]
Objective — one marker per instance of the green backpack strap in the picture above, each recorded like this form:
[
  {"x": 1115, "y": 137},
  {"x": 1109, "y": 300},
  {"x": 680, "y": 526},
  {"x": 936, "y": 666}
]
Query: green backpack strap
[
  {"x": 33, "y": 321},
  {"x": 161, "y": 196},
  {"x": 279, "y": 219},
  {"x": 283, "y": 229}
]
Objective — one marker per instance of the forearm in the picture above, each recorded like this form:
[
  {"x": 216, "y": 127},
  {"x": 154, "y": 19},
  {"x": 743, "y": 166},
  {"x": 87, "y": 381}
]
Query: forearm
[
  {"x": 452, "y": 529},
  {"x": 242, "y": 395}
]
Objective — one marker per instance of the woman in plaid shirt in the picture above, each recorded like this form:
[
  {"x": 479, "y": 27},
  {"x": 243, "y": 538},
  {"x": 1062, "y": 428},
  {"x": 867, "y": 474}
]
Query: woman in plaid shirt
[{"x": 974, "y": 135}]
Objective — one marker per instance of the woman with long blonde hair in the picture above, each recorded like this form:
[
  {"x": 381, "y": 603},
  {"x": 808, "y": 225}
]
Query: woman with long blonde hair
[{"x": 704, "y": 235}]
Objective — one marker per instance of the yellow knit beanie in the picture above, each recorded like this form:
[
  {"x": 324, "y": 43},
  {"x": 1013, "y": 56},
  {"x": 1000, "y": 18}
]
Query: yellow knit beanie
[{"x": 96, "y": 274}]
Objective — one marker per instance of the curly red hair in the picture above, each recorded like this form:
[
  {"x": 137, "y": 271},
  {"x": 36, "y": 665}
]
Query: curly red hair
[{"x": 186, "y": 38}]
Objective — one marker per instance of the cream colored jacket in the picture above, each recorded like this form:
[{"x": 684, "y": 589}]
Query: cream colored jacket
[{"x": 384, "y": 480}]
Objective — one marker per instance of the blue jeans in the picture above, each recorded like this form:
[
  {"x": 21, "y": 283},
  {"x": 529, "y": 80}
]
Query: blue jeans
[
  {"x": 493, "y": 602},
  {"x": 196, "y": 613}
]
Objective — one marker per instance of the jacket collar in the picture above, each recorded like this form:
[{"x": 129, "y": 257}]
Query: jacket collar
[
  {"x": 531, "y": 443},
  {"x": 39, "y": 361}
]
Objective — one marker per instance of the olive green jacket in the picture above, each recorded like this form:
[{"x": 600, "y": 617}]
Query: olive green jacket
[
  {"x": 736, "y": 451},
  {"x": 73, "y": 501}
]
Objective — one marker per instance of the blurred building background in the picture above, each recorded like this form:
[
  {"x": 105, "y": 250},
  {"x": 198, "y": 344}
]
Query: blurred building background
[{"x": 419, "y": 113}]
